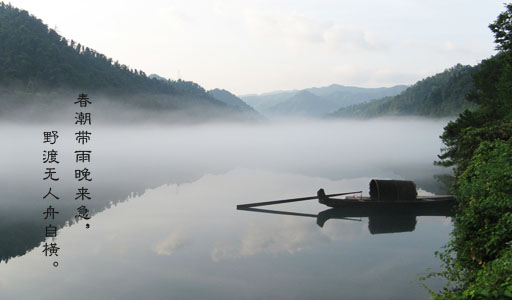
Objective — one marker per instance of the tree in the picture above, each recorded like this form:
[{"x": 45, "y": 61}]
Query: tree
[
  {"x": 492, "y": 119},
  {"x": 502, "y": 29}
]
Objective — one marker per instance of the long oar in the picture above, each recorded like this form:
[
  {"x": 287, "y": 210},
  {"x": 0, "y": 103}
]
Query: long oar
[
  {"x": 289, "y": 213},
  {"x": 277, "y": 212},
  {"x": 289, "y": 200}
]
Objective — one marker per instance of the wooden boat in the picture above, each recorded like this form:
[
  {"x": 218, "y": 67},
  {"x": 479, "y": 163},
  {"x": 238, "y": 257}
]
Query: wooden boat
[
  {"x": 385, "y": 195},
  {"x": 444, "y": 209},
  {"x": 367, "y": 203},
  {"x": 395, "y": 195},
  {"x": 393, "y": 206}
]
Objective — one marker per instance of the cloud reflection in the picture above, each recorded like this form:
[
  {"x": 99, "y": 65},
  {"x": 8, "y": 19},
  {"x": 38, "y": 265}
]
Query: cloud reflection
[
  {"x": 169, "y": 244},
  {"x": 287, "y": 235}
]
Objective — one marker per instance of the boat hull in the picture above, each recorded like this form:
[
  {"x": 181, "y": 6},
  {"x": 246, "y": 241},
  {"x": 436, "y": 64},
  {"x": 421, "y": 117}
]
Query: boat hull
[{"x": 366, "y": 203}]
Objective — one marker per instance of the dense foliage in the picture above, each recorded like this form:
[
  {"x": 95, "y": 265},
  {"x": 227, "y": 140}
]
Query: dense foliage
[
  {"x": 492, "y": 119},
  {"x": 440, "y": 95},
  {"x": 478, "y": 259},
  {"x": 39, "y": 67},
  {"x": 34, "y": 56}
]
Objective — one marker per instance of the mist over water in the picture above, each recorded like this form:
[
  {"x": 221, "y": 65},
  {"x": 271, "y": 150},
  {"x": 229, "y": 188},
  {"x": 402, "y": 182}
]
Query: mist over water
[
  {"x": 164, "y": 199},
  {"x": 145, "y": 156}
]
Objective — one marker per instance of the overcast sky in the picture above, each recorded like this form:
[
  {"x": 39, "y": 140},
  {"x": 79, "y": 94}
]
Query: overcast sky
[{"x": 262, "y": 46}]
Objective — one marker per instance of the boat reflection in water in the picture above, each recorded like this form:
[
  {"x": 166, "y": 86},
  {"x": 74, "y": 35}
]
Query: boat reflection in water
[
  {"x": 379, "y": 221},
  {"x": 393, "y": 206},
  {"x": 385, "y": 220}
]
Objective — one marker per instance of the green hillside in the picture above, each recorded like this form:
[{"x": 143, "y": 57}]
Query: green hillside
[
  {"x": 441, "y": 95},
  {"x": 37, "y": 64}
]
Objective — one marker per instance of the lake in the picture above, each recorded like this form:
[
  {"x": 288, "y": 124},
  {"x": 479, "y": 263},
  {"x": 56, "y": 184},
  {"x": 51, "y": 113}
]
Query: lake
[{"x": 164, "y": 223}]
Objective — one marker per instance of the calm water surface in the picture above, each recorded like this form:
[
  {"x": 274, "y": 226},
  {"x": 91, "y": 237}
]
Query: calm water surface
[{"x": 164, "y": 221}]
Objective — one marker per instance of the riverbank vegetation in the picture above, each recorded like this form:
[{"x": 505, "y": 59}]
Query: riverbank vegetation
[{"x": 477, "y": 260}]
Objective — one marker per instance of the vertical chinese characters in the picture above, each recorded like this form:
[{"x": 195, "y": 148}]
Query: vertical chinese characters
[
  {"x": 51, "y": 161},
  {"x": 83, "y": 157}
]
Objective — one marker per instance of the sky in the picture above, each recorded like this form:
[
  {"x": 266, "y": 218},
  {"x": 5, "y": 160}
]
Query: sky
[{"x": 251, "y": 47}]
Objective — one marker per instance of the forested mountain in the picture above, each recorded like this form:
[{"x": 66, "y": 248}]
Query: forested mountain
[
  {"x": 441, "y": 95},
  {"x": 316, "y": 102},
  {"x": 35, "y": 62},
  {"x": 230, "y": 99}
]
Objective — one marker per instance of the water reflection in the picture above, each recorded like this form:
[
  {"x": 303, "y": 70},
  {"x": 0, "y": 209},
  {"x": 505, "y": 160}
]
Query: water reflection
[
  {"x": 391, "y": 224},
  {"x": 379, "y": 220},
  {"x": 170, "y": 240},
  {"x": 164, "y": 224}
]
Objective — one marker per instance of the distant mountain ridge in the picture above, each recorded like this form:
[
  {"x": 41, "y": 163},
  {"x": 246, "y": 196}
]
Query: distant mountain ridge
[
  {"x": 440, "y": 95},
  {"x": 316, "y": 102},
  {"x": 301, "y": 104},
  {"x": 156, "y": 76}
]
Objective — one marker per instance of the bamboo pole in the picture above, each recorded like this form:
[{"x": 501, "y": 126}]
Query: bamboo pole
[{"x": 289, "y": 200}]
